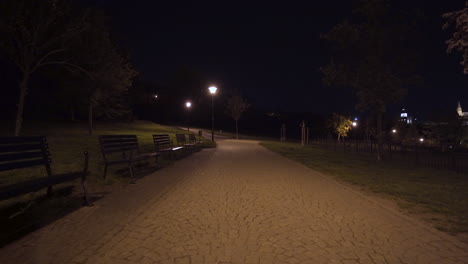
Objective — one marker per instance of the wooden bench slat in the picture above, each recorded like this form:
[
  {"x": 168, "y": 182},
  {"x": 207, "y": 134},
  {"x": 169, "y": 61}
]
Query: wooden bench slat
[
  {"x": 22, "y": 140},
  {"x": 25, "y": 152},
  {"x": 118, "y": 141},
  {"x": 122, "y": 145},
  {"x": 21, "y": 164},
  {"x": 117, "y": 136},
  {"x": 114, "y": 150},
  {"x": 22, "y": 147},
  {"x": 21, "y": 155},
  {"x": 163, "y": 142}
]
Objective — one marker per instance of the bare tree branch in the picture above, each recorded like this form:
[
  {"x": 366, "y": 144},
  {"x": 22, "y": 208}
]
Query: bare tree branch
[{"x": 70, "y": 65}]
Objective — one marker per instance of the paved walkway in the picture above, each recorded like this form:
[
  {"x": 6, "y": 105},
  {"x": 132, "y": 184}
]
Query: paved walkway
[{"x": 239, "y": 203}]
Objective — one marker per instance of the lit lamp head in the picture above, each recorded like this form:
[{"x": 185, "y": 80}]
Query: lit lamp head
[
  {"x": 155, "y": 96},
  {"x": 394, "y": 131},
  {"x": 212, "y": 89},
  {"x": 354, "y": 124},
  {"x": 188, "y": 104},
  {"x": 421, "y": 139}
]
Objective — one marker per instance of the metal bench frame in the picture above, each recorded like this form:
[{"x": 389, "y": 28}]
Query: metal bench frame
[
  {"x": 182, "y": 141},
  {"x": 128, "y": 146},
  {"x": 26, "y": 152},
  {"x": 193, "y": 139},
  {"x": 162, "y": 143}
]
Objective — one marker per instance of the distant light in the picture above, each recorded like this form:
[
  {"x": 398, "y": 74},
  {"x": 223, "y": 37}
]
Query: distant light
[
  {"x": 354, "y": 124},
  {"x": 188, "y": 104},
  {"x": 394, "y": 131},
  {"x": 212, "y": 89},
  {"x": 421, "y": 139},
  {"x": 355, "y": 119},
  {"x": 155, "y": 96}
]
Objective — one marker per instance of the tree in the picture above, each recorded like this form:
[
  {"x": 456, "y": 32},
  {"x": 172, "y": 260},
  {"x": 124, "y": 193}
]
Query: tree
[
  {"x": 459, "y": 39},
  {"x": 340, "y": 125},
  {"x": 109, "y": 72},
  {"x": 236, "y": 106},
  {"x": 36, "y": 34},
  {"x": 372, "y": 55}
]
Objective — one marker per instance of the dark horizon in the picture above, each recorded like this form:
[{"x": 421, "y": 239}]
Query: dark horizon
[{"x": 273, "y": 53}]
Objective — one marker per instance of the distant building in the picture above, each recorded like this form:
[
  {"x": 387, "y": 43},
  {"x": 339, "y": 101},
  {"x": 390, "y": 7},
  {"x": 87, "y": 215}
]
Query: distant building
[
  {"x": 460, "y": 111},
  {"x": 462, "y": 115},
  {"x": 405, "y": 117}
]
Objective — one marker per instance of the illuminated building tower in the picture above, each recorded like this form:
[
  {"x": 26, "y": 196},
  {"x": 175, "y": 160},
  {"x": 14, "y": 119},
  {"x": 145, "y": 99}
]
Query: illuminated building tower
[{"x": 405, "y": 118}]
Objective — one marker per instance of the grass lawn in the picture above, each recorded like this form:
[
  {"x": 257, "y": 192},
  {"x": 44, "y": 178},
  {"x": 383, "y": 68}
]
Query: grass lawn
[
  {"x": 67, "y": 142},
  {"x": 440, "y": 195}
]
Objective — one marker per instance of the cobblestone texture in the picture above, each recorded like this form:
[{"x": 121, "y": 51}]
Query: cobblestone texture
[{"x": 239, "y": 203}]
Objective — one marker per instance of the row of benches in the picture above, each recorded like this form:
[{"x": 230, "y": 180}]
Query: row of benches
[
  {"x": 26, "y": 152},
  {"x": 127, "y": 146}
]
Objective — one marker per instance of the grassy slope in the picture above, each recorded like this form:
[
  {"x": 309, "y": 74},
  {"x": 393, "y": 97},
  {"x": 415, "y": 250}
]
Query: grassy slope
[
  {"x": 442, "y": 194},
  {"x": 67, "y": 141}
]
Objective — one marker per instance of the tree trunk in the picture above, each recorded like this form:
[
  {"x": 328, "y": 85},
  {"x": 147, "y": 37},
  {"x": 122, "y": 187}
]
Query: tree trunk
[
  {"x": 379, "y": 136},
  {"x": 237, "y": 131},
  {"x": 72, "y": 112},
  {"x": 90, "y": 117},
  {"x": 338, "y": 137},
  {"x": 19, "y": 113}
]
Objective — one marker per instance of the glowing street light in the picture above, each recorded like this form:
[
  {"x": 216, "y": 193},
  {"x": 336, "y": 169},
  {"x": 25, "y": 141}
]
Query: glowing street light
[
  {"x": 421, "y": 139},
  {"x": 212, "y": 92},
  {"x": 354, "y": 124},
  {"x": 212, "y": 89},
  {"x": 155, "y": 96},
  {"x": 393, "y": 131},
  {"x": 188, "y": 104}
]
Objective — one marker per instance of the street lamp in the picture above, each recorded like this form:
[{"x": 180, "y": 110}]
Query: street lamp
[
  {"x": 421, "y": 140},
  {"x": 354, "y": 124},
  {"x": 212, "y": 92},
  {"x": 393, "y": 131},
  {"x": 188, "y": 104}
]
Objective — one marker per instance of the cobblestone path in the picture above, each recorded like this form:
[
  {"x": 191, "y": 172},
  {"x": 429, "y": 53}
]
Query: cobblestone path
[{"x": 239, "y": 203}]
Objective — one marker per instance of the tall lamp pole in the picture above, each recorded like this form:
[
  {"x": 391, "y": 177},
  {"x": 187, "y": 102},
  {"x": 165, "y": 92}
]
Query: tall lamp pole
[
  {"x": 188, "y": 104},
  {"x": 212, "y": 92}
]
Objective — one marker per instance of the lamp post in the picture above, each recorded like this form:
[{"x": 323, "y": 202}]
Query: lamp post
[
  {"x": 188, "y": 104},
  {"x": 212, "y": 92}
]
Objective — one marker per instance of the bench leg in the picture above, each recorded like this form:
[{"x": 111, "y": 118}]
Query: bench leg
[
  {"x": 130, "y": 169},
  {"x": 84, "y": 180},
  {"x": 84, "y": 185},
  {"x": 105, "y": 171},
  {"x": 49, "y": 191}
]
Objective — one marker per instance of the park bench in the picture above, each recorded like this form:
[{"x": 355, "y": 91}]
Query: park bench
[
  {"x": 162, "y": 143},
  {"x": 193, "y": 139},
  {"x": 182, "y": 141},
  {"x": 127, "y": 146},
  {"x": 28, "y": 152}
]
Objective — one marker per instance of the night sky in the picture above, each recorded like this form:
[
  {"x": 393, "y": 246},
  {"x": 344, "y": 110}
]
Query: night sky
[{"x": 271, "y": 51}]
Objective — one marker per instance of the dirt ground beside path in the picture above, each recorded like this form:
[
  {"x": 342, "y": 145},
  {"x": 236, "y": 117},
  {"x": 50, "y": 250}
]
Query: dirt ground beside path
[{"x": 239, "y": 203}]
